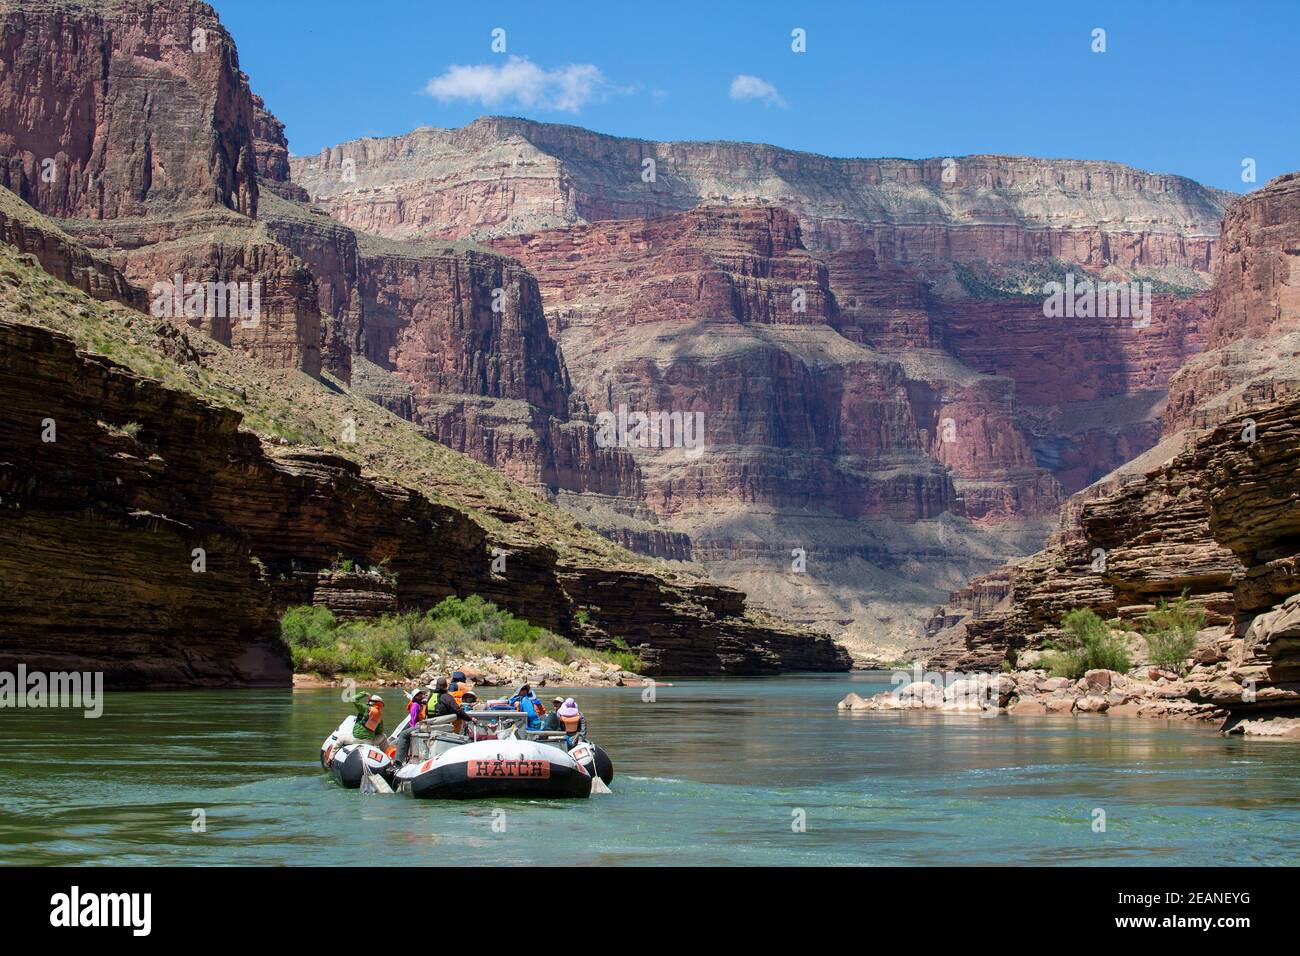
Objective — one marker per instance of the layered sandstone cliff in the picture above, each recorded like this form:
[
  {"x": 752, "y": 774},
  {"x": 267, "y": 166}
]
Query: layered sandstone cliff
[
  {"x": 913, "y": 420},
  {"x": 129, "y": 108},
  {"x": 131, "y": 123},
  {"x": 1211, "y": 512},
  {"x": 503, "y": 176},
  {"x": 453, "y": 337}
]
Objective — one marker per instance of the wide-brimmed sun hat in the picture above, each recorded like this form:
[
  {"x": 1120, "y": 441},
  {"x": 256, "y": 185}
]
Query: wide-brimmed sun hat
[{"x": 569, "y": 708}]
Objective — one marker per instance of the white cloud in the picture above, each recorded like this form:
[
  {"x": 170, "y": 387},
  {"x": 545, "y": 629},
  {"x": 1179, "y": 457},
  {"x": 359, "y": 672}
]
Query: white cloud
[
  {"x": 746, "y": 87},
  {"x": 520, "y": 80}
]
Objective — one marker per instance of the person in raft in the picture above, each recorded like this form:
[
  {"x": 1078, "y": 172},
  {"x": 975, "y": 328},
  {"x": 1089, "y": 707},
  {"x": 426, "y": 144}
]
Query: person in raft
[
  {"x": 369, "y": 725},
  {"x": 572, "y": 722},
  {"x": 460, "y": 686},
  {"x": 416, "y": 711},
  {"x": 526, "y": 701},
  {"x": 447, "y": 704},
  {"x": 553, "y": 718}
]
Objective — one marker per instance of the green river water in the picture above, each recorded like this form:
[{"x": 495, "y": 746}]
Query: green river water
[{"x": 713, "y": 771}]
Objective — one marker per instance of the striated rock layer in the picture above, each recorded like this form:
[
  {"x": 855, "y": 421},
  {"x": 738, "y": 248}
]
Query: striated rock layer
[
  {"x": 501, "y": 176},
  {"x": 1209, "y": 513},
  {"x": 132, "y": 124},
  {"x": 916, "y": 380},
  {"x": 149, "y": 536},
  {"x": 129, "y": 108}
]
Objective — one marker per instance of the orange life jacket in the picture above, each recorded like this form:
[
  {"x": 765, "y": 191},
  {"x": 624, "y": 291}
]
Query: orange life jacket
[
  {"x": 571, "y": 724},
  {"x": 374, "y": 717}
]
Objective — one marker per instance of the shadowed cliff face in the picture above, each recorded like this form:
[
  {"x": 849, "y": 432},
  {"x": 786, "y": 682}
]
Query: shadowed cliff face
[
  {"x": 864, "y": 340},
  {"x": 1210, "y": 511}
]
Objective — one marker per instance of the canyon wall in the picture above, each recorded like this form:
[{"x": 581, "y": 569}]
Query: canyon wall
[
  {"x": 885, "y": 410},
  {"x": 1210, "y": 512},
  {"x": 865, "y": 340},
  {"x": 125, "y": 109},
  {"x": 151, "y": 536},
  {"x": 501, "y": 176},
  {"x": 132, "y": 124}
]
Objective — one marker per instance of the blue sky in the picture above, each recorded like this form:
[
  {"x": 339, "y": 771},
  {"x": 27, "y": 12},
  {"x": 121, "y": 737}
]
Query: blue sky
[{"x": 1190, "y": 88}]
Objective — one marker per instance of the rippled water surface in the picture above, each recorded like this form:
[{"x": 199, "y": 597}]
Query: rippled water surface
[{"x": 712, "y": 772}]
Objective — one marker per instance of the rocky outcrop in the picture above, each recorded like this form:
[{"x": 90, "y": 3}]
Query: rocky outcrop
[
  {"x": 268, "y": 307},
  {"x": 1257, "y": 286},
  {"x": 271, "y": 152},
  {"x": 61, "y": 256},
  {"x": 1254, "y": 331},
  {"x": 1217, "y": 523},
  {"x": 1168, "y": 522},
  {"x": 132, "y": 123},
  {"x": 1142, "y": 693},
  {"x": 126, "y": 109},
  {"x": 454, "y": 338},
  {"x": 110, "y": 559}
]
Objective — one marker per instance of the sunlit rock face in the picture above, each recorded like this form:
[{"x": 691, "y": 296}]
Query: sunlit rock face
[{"x": 865, "y": 339}]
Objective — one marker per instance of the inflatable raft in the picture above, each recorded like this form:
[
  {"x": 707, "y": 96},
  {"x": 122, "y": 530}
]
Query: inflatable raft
[
  {"x": 347, "y": 761},
  {"x": 587, "y": 755},
  {"x": 496, "y": 768},
  {"x": 494, "y": 757}
]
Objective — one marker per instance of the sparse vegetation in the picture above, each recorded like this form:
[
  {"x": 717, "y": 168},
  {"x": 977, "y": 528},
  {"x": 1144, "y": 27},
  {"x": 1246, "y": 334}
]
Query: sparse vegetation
[
  {"x": 1169, "y": 630},
  {"x": 1088, "y": 644},
  {"x": 404, "y": 644}
]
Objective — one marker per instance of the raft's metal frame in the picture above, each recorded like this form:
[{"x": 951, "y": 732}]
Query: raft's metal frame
[{"x": 428, "y": 734}]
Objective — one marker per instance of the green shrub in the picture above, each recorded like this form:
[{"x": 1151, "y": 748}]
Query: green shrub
[
  {"x": 405, "y": 643},
  {"x": 1087, "y": 644},
  {"x": 308, "y": 626},
  {"x": 1169, "y": 630}
]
